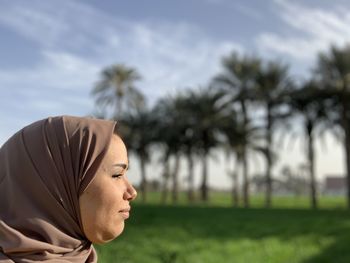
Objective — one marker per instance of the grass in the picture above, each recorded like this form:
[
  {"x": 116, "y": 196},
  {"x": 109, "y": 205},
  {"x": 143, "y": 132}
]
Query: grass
[
  {"x": 182, "y": 234},
  {"x": 223, "y": 199}
]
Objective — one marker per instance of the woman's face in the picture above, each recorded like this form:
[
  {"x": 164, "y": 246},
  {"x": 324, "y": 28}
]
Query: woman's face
[{"x": 108, "y": 194}]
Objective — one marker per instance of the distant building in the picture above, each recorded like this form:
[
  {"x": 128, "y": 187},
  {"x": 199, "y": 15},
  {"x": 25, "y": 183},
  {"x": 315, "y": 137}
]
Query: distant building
[{"x": 335, "y": 185}]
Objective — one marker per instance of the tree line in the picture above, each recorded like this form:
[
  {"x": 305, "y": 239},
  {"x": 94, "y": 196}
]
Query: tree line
[{"x": 223, "y": 114}]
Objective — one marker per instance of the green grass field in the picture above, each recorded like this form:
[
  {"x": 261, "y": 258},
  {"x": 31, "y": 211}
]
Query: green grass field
[
  {"x": 218, "y": 233},
  {"x": 223, "y": 199}
]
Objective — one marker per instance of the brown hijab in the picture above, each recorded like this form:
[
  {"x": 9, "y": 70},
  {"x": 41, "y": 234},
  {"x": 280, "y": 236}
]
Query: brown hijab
[{"x": 44, "y": 168}]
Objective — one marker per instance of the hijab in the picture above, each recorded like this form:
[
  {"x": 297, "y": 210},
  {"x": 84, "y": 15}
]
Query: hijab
[{"x": 44, "y": 168}]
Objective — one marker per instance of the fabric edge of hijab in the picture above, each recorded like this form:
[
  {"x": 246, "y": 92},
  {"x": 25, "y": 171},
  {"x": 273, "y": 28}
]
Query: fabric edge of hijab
[
  {"x": 90, "y": 172},
  {"x": 93, "y": 169}
]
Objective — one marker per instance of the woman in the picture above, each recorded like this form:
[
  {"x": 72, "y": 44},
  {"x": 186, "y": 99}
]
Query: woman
[{"x": 62, "y": 187}]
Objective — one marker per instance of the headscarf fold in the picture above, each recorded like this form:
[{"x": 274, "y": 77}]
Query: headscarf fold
[{"x": 44, "y": 168}]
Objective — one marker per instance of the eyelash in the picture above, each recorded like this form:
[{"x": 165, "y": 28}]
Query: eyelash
[{"x": 117, "y": 176}]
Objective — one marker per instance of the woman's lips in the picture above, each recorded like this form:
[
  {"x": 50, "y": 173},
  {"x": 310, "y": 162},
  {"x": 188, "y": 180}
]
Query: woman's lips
[
  {"x": 125, "y": 212},
  {"x": 125, "y": 215}
]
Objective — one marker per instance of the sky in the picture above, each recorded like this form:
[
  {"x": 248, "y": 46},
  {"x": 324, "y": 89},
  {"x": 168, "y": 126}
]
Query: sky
[{"x": 52, "y": 53}]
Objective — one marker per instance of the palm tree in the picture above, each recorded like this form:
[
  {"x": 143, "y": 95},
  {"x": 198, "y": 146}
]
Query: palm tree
[
  {"x": 170, "y": 131},
  {"x": 116, "y": 87},
  {"x": 188, "y": 126},
  {"x": 271, "y": 84},
  {"x": 184, "y": 121},
  {"x": 333, "y": 71},
  {"x": 239, "y": 138},
  {"x": 238, "y": 79},
  {"x": 207, "y": 107},
  {"x": 310, "y": 103},
  {"x": 137, "y": 131}
]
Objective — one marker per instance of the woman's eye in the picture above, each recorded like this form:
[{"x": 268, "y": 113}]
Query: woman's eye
[{"x": 117, "y": 175}]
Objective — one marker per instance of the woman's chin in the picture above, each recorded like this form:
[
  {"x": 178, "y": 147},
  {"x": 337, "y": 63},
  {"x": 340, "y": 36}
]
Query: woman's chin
[{"x": 109, "y": 236}]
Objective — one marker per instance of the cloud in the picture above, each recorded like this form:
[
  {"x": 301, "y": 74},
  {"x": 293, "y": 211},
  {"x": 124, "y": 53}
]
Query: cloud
[
  {"x": 165, "y": 53},
  {"x": 310, "y": 31},
  {"x": 169, "y": 61},
  {"x": 73, "y": 51},
  {"x": 302, "y": 49},
  {"x": 56, "y": 70},
  {"x": 33, "y": 24}
]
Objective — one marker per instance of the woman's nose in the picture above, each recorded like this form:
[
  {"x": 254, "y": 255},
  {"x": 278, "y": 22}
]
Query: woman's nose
[{"x": 130, "y": 193}]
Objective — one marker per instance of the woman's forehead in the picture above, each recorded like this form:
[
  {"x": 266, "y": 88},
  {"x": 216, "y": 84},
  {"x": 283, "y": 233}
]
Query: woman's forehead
[{"x": 117, "y": 153}]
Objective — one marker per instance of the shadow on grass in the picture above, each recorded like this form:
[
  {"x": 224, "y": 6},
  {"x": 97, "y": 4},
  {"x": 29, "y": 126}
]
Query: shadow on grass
[
  {"x": 225, "y": 224},
  {"x": 337, "y": 252}
]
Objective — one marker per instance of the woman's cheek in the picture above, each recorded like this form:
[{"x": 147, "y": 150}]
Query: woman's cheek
[{"x": 112, "y": 229}]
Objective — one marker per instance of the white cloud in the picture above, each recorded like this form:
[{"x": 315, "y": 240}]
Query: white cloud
[
  {"x": 310, "y": 31},
  {"x": 302, "y": 49},
  {"x": 59, "y": 84},
  {"x": 57, "y": 70},
  {"x": 73, "y": 51},
  {"x": 33, "y": 24},
  {"x": 167, "y": 60},
  {"x": 167, "y": 55}
]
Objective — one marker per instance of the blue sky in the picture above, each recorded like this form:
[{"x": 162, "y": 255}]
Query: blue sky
[{"x": 53, "y": 51}]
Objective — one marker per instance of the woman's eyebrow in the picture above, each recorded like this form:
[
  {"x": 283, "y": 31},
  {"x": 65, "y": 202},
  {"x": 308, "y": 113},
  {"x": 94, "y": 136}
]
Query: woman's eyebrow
[{"x": 123, "y": 165}]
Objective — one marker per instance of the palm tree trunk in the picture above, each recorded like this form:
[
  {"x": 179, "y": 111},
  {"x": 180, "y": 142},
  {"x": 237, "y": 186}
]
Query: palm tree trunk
[
  {"x": 204, "y": 186},
  {"x": 268, "y": 200},
  {"x": 235, "y": 197},
  {"x": 119, "y": 108},
  {"x": 244, "y": 159},
  {"x": 346, "y": 127},
  {"x": 165, "y": 181},
  {"x": 190, "y": 193},
  {"x": 175, "y": 190},
  {"x": 245, "y": 181},
  {"x": 313, "y": 191},
  {"x": 347, "y": 156},
  {"x": 143, "y": 178}
]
